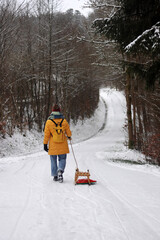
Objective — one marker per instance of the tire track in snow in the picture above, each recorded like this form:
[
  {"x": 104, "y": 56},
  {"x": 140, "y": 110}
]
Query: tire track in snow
[
  {"x": 135, "y": 211},
  {"x": 138, "y": 210},
  {"x": 115, "y": 213},
  {"x": 24, "y": 165},
  {"x": 112, "y": 206},
  {"x": 20, "y": 217},
  {"x": 32, "y": 183},
  {"x": 93, "y": 205}
]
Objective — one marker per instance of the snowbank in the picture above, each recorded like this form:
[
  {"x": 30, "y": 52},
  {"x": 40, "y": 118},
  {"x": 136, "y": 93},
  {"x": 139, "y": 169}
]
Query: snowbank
[{"x": 19, "y": 144}]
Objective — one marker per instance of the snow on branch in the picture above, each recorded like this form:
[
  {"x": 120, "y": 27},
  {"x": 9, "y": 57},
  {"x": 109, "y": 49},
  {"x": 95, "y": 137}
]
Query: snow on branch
[
  {"x": 148, "y": 41},
  {"x": 83, "y": 38},
  {"x": 102, "y": 6}
]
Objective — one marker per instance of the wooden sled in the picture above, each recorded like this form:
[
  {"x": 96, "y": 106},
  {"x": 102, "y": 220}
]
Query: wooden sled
[{"x": 87, "y": 180}]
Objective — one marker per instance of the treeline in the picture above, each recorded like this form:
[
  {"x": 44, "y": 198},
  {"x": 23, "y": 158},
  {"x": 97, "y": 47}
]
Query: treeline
[
  {"x": 135, "y": 27},
  {"x": 44, "y": 61}
]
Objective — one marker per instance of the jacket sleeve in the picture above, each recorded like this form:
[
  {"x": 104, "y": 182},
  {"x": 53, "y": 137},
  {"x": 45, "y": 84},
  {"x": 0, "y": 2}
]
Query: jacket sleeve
[
  {"x": 67, "y": 129},
  {"x": 46, "y": 133}
]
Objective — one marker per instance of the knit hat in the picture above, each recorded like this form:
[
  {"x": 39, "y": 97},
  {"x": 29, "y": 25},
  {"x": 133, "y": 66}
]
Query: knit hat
[{"x": 56, "y": 108}]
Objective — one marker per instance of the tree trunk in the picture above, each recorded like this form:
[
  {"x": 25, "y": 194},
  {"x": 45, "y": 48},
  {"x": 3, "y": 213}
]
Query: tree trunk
[{"x": 129, "y": 112}]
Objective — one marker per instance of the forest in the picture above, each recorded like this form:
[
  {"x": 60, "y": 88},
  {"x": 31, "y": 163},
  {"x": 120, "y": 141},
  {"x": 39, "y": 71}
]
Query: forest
[
  {"x": 48, "y": 56},
  {"x": 44, "y": 61}
]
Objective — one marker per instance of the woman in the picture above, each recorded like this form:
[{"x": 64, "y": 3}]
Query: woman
[{"x": 56, "y": 132}]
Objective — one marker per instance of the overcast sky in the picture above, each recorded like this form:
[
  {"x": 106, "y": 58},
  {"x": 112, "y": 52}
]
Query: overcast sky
[
  {"x": 75, "y": 4},
  {"x": 64, "y": 5}
]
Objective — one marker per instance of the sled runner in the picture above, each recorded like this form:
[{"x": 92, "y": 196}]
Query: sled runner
[
  {"x": 78, "y": 174},
  {"x": 85, "y": 181}
]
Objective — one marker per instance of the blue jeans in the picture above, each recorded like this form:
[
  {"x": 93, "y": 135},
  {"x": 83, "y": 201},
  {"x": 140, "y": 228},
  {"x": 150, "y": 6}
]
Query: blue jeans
[{"x": 61, "y": 166}]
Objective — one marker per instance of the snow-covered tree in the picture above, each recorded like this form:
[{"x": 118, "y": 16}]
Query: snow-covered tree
[{"x": 134, "y": 25}]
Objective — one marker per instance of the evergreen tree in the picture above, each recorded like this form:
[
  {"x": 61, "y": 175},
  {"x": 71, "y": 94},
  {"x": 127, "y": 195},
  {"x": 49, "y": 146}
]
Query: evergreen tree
[
  {"x": 135, "y": 26},
  {"x": 130, "y": 20}
]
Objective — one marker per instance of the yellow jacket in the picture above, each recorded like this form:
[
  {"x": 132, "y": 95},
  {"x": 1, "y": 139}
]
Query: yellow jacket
[{"x": 54, "y": 147}]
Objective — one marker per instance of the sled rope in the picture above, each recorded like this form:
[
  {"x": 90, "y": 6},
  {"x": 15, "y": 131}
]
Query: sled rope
[
  {"x": 74, "y": 154},
  {"x": 79, "y": 174}
]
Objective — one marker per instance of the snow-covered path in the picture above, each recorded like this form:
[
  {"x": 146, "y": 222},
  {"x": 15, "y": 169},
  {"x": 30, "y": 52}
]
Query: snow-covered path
[{"x": 123, "y": 205}]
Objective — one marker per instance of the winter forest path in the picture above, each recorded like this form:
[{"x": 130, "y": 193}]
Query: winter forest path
[{"x": 123, "y": 205}]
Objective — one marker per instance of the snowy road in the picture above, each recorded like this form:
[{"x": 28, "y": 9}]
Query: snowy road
[{"x": 123, "y": 205}]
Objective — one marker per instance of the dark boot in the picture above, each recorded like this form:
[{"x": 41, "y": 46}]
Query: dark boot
[{"x": 55, "y": 178}]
